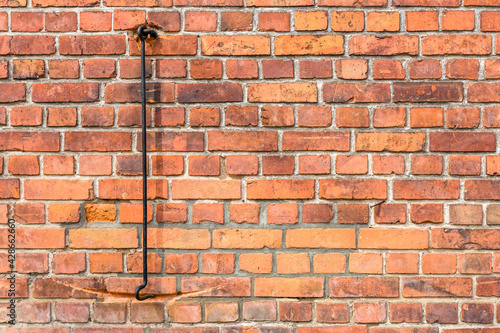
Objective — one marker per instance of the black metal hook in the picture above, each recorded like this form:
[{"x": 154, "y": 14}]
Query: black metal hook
[{"x": 143, "y": 33}]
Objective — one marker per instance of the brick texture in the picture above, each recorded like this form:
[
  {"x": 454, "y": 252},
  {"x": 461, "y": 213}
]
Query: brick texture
[{"x": 316, "y": 166}]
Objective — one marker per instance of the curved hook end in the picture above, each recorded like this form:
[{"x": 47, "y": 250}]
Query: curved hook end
[
  {"x": 144, "y": 32},
  {"x": 142, "y": 298}
]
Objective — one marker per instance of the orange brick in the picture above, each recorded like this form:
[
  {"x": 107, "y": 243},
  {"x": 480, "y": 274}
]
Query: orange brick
[
  {"x": 313, "y": 20},
  {"x": 382, "y": 21}
]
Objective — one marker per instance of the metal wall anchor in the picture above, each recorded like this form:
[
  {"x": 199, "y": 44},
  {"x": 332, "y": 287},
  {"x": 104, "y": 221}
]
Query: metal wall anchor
[{"x": 143, "y": 33}]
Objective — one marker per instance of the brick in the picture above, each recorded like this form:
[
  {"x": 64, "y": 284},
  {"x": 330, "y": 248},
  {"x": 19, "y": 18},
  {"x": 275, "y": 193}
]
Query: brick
[
  {"x": 110, "y": 313},
  {"x": 317, "y": 140},
  {"x": 13, "y": 92},
  {"x": 72, "y": 312},
  {"x": 132, "y": 116},
  {"x": 425, "y": 69},
  {"x": 482, "y": 92},
  {"x": 128, "y": 165},
  {"x": 321, "y": 69},
  {"x": 382, "y": 21},
  {"x": 67, "y": 287},
  {"x": 289, "y": 287},
  {"x": 156, "y": 285},
  {"x": 242, "y": 165},
  {"x": 367, "y": 263},
  {"x": 21, "y": 286},
  {"x": 439, "y": 263},
  {"x": 437, "y": 287},
  {"x": 55, "y": 189},
  {"x": 200, "y": 21},
  {"x": 352, "y": 189},
  {"x": 83, "y": 45},
  {"x": 465, "y": 165},
  {"x": 477, "y": 313},
  {"x": 259, "y": 310},
  {"x": 236, "y": 21},
  {"x": 492, "y": 68},
  {"x": 206, "y": 69},
  {"x": 61, "y": 117},
  {"x": 426, "y": 213},
  {"x": 427, "y": 164},
  {"x": 64, "y": 69},
  {"x": 457, "y": 20},
  {"x": 390, "y": 213},
  {"x": 208, "y": 213},
  {"x": 278, "y": 165},
  {"x": 332, "y": 313},
  {"x": 29, "y": 213},
  {"x": 462, "y": 117},
  {"x": 103, "y": 238},
  {"x": 235, "y": 45},
  {"x": 167, "y": 165},
  {"x": 282, "y": 92},
  {"x": 171, "y": 68},
  {"x": 309, "y": 45},
  {"x": 474, "y": 263},
  {"x": 131, "y": 189},
  {"x": 24, "y": 165},
  {"x": 32, "y": 262},
  {"x": 96, "y": 21},
  {"x": 388, "y": 69},
  {"x": 204, "y": 117},
  {"x": 277, "y": 69},
  {"x": 280, "y": 189},
  {"x": 34, "y": 313},
  {"x": 311, "y": 20},
  {"x": 345, "y": 21},
  {"x": 401, "y": 263},
  {"x": 363, "y": 287},
  {"x": 454, "y": 45},
  {"x": 491, "y": 117},
  {"x": 100, "y": 212},
  {"x": 462, "y": 69},
  {"x": 374, "y": 312},
  {"x": 134, "y": 263},
  {"x": 310, "y": 164},
  {"x": 58, "y": 165},
  {"x": 106, "y": 262},
  {"x": 132, "y": 212},
  {"x": 320, "y": 238},
  {"x": 388, "y": 164},
  {"x": 463, "y": 238},
  {"x": 128, "y": 20},
  {"x": 32, "y": 44},
  {"x": 97, "y": 116},
  {"x": 427, "y": 3},
  {"x": 442, "y": 313},
  {"x": 64, "y": 212},
  {"x": 387, "y": 45},
  {"x": 68, "y": 263},
  {"x": 241, "y": 115},
  {"x": 426, "y": 189},
  {"x": 209, "y": 92},
  {"x": 461, "y": 141},
  {"x": 179, "y": 238},
  {"x": 351, "y": 69},
  {"x": 169, "y": 117},
  {"x": 295, "y": 311},
  {"x": 9, "y": 188},
  {"x": 147, "y": 312},
  {"x": 130, "y": 92},
  {"x": 356, "y": 92},
  {"x": 221, "y": 312},
  {"x": 218, "y": 263},
  {"x": 94, "y": 165},
  {"x": 487, "y": 286},
  {"x": 26, "y": 116},
  {"x": 242, "y": 69},
  {"x": 130, "y": 68},
  {"x": 257, "y": 263},
  {"x": 216, "y": 286},
  {"x": 28, "y": 69},
  {"x": 329, "y": 263},
  {"x": 274, "y": 21},
  {"x": 172, "y": 141},
  {"x": 247, "y": 238},
  {"x": 61, "y": 21},
  {"x": 466, "y": 214},
  {"x": 352, "y": 3},
  {"x": 427, "y": 92},
  {"x": 206, "y": 189},
  {"x": 399, "y": 239},
  {"x": 351, "y": 164},
  {"x": 422, "y": 21},
  {"x": 167, "y": 45},
  {"x": 99, "y": 68},
  {"x": 317, "y": 213},
  {"x": 292, "y": 263},
  {"x": 64, "y": 92},
  {"x": 181, "y": 263},
  {"x": 98, "y": 141},
  {"x": 204, "y": 165},
  {"x": 406, "y": 313},
  {"x": 493, "y": 215}
]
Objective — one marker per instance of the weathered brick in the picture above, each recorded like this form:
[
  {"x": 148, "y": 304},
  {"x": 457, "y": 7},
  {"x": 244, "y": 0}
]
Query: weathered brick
[
  {"x": 383, "y": 46},
  {"x": 235, "y": 45},
  {"x": 356, "y": 92},
  {"x": 456, "y": 44}
]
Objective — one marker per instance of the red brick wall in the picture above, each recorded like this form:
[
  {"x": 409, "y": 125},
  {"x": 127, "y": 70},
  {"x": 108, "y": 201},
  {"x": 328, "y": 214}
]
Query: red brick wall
[{"x": 316, "y": 166}]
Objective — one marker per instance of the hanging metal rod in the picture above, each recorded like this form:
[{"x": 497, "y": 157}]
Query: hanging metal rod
[{"x": 143, "y": 33}]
